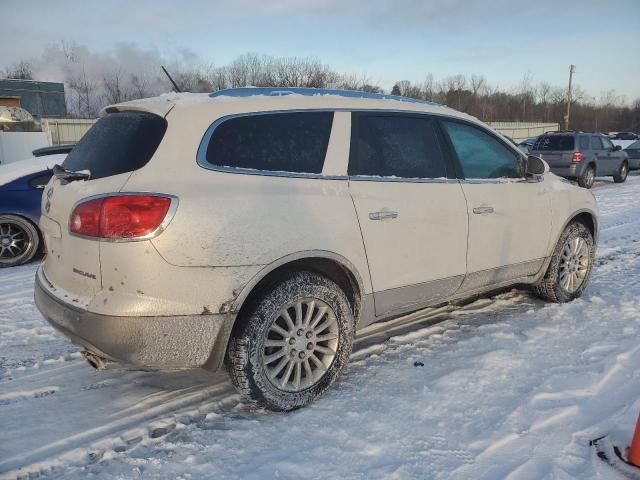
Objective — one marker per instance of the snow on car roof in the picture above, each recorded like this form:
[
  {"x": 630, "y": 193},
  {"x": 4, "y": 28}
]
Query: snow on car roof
[{"x": 244, "y": 92}]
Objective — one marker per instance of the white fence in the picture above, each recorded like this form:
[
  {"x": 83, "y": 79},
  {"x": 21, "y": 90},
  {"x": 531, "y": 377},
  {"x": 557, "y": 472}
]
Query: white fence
[
  {"x": 71, "y": 130},
  {"x": 66, "y": 130},
  {"x": 521, "y": 130}
]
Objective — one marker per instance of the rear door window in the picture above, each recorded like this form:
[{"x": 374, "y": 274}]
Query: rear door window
[
  {"x": 596, "y": 143},
  {"x": 584, "y": 143},
  {"x": 278, "y": 142},
  {"x": 480, "y": 154},
  {"x": 395, "y": 146},
  {"x": 555, "y": 142},
  {"x": 118, "y": 143}
]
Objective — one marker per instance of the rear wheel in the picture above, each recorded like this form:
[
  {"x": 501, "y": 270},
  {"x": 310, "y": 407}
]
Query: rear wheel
[
  {"x": 621, "y": 176},
  {"x": 291, "y": 344},
  {"x": 19, "y": 240},
  {"x": 570, "y": 267},
  {"x": 587, "y": 178}
]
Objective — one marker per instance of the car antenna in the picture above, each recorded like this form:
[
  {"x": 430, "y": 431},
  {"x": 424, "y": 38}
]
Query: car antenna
[{"x": 175, "y": 85}]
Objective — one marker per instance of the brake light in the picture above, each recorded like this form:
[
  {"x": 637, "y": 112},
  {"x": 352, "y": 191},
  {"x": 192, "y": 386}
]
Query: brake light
[
  {"x": 577, "y": 157},
  {"x": 119, "y": 216}
]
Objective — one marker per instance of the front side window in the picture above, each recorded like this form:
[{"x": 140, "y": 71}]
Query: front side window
[
  {"x": 278, "y": 142},
  {"x": 606, "y": 143},
  {"x": 480, "y": 154},
  {"x": 395, "y": 146}
]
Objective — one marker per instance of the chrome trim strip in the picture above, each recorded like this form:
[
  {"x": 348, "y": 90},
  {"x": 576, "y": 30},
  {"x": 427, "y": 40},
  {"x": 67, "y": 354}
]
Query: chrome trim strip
[
  {"x": 173, "y": 207},
  {"x": 370, "y": 178},
  {"x": 201, "y": 154}
]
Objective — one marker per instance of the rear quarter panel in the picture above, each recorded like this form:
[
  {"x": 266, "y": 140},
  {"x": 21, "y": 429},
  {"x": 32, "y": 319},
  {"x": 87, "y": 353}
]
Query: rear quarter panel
[{"x": 230, "y": 219}]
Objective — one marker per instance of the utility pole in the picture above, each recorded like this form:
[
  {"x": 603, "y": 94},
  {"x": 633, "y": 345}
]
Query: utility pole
[{"x": 572, "y": 68}]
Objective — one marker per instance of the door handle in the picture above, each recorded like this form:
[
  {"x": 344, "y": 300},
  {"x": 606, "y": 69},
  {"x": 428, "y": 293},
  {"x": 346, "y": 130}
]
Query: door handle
[
  {"x": 483, "y": 210},
  {"x": 382, "y": 215}
]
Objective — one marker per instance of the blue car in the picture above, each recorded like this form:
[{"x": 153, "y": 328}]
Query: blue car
[{"x": 21, "y": 187}]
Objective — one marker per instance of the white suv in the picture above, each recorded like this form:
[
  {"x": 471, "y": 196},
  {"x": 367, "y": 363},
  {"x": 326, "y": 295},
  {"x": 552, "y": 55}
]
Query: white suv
[{"x": 261, "y": 228}]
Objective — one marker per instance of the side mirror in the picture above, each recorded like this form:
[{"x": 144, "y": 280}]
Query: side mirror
[
  {"x": 536, "y": 167},
  {"x": 616, "y": 148}
]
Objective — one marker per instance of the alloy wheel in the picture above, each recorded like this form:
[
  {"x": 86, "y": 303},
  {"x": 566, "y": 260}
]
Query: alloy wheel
[
  {"x": 14, "y": 241},
  {"x": 574, "y": 264},
  {"x": 300, "y": 344}
]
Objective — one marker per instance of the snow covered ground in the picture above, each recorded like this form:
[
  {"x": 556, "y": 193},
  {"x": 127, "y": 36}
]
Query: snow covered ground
[{"x": 510, "y": 388}]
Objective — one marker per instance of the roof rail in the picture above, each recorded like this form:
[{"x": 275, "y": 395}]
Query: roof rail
[{"x": 309, "y": 92}]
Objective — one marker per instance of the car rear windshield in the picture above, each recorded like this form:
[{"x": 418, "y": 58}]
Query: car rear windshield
[
  {"x": 118, "y": 143},
  {"x": 555, "y": 142}
]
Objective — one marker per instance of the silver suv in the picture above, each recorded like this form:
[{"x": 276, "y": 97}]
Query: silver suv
[{"x": 581, "y": 156}]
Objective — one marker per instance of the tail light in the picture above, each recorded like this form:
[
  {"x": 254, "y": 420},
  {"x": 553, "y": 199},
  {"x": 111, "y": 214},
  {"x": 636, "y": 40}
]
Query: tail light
[
  {"x": 577, "y": 157},
  {"x": 120, "y": 216}
]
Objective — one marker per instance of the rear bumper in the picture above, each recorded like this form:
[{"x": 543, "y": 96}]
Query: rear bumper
[
  {"x": 573, "y": 171},
  {"x": 166, "y": 342}
]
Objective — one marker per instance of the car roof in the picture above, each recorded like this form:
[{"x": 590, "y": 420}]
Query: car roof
[
  {"x": 258, "y": 99},
  {"x": 15, "y": 170}
]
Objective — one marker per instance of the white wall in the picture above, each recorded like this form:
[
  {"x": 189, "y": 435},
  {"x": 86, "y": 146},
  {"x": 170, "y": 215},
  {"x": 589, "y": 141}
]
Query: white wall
[{"x": 15, "y": 146}]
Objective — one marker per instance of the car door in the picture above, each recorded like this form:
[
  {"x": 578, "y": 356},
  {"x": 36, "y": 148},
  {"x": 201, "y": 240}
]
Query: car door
[
  {"x": 509, "y": 216},
  {"x": 614, "y": 157},
  {"x": 600, "y": 154},
  {"x": 412, "y": 217}
]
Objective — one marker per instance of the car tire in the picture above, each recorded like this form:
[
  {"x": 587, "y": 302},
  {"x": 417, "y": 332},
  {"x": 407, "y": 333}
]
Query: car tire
[
  {"x": 621, "y": 176},
  {"x": 282, "y": 363},
  {"x": 570, "y": 268},
  {"x": 586, "y": 179},
  {"x": 19, "y": 240}
]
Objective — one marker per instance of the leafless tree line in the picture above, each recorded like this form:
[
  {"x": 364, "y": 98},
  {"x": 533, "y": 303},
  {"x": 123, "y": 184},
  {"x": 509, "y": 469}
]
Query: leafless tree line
[
  {"x": 88, "y": 89},
  {"x": 528, "y": 102}
]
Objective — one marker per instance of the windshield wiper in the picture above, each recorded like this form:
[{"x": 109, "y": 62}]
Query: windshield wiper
[{"x": 69, "y": 175}]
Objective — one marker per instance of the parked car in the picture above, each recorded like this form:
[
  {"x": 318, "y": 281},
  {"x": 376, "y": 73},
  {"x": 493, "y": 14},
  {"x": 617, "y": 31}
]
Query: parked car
[
  {"x": 260, "y": 228},
  {"x": 633, "y": 151},
  {"x": 526, "y": 144},
  {"x": 21, "y": 185},
  {"x": 582, "y": 156},
  {"x": 625, "y": 136}
]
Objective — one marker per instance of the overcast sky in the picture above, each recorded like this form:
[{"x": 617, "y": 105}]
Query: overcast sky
[{"x": 386, "y": 40}]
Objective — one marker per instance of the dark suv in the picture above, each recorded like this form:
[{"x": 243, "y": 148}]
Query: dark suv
[{"x": 582, "y": 156}]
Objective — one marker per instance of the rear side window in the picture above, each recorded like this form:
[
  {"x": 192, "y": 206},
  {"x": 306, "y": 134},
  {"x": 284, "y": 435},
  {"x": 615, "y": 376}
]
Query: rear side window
[
  {"x": 596, "y": 143},
  {"x": 286, "y": 142},
  {"x": 481, "y": 155},
  {"x": 395, "y": 146},
  {"x": 118, "y": 143},
  {"x": 40, "y": 181},
  {"x": 555, "y": 142}
]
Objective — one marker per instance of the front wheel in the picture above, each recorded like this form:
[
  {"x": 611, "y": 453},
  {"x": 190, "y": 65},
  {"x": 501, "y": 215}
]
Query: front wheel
[
  {"x": 621, "y": 176},
  {"x": 292, "y": 343},
  {"x": 570, "y": 267}
]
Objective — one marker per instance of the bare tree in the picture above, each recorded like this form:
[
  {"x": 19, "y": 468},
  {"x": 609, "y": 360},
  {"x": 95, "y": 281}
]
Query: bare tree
[{"x": 20, "y": 70}]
